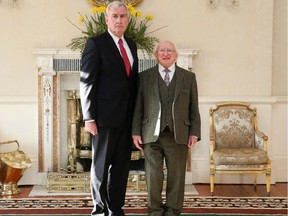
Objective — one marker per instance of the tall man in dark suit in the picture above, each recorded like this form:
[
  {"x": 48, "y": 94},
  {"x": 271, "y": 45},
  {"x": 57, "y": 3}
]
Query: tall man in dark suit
[
  {"x": 108, "y": 86},
  {"x": 167, "y": 121}
]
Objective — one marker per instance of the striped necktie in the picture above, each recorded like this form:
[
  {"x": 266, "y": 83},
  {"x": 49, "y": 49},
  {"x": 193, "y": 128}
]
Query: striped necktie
[{"x": 167, "y": 77}]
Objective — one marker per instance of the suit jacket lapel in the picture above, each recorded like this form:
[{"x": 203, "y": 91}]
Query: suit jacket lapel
[
  {"x": 179, "y": 79},
  {"x": 134, "y": 54},
  {"x": 154, "y": 80},
  {"x": 112, "y": 46},
  {"x": 115, "y": 51}
]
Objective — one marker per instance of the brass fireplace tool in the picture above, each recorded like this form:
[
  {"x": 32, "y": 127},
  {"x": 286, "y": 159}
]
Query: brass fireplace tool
[{"x": 78, "y": 140}]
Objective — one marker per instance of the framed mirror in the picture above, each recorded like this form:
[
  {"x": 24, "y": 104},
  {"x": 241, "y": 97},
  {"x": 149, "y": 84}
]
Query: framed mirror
[{"x": 99, "y": 3}]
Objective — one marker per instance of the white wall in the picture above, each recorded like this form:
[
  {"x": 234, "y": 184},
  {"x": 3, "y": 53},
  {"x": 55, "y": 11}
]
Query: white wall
[
  {"x": 19, "y": 121},
  {"x": 243, "y": 56},
  {"x": 279, "y": 143},
  {"x": 234, "y": 44}
]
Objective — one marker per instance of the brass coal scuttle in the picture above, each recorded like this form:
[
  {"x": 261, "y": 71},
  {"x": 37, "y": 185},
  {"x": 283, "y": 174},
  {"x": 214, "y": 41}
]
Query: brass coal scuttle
[{"x": 12, "y": 166}]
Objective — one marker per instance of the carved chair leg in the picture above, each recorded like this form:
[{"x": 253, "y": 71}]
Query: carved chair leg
[
  {"x": 212, "y": 184},
  {"x": 268, "y": 178}
]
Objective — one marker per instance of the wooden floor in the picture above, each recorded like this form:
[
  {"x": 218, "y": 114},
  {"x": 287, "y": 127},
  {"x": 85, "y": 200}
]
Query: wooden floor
[
  {"x": 226, "y": 190},
  {"x": 244, "y": 190}
]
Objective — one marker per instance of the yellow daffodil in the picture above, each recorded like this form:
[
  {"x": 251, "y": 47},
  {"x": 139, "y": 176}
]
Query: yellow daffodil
[
  {"x": 81, "y": 19},
  {"x": 129, "y": 6},
  {"x": 94, "y": 10},
  {"x": 133, "y": 11},
  {"x": 138, "y": 14},
  {"x": 102, "y": 9},
  {"x": 149, "y": 17}
]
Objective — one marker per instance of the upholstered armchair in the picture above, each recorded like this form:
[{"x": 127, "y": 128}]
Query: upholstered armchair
[{"x": 236, "y": 144}]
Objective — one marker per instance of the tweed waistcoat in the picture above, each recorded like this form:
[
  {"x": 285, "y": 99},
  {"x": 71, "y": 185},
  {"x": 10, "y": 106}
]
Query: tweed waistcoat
[{"x": 166, "y": 99}]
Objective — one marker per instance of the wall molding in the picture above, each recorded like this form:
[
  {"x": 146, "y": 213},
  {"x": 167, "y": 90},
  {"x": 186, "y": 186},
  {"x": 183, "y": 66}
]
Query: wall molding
[
  {"x": 202, "y": 99},
  {"x": 18, "y": 100},
  {"x": 248, "y": 99},
  {"x": 281, "y": 99}
]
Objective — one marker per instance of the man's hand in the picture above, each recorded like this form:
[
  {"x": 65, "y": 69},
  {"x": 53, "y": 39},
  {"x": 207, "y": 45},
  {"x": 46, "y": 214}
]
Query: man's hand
[
  {"x": 192, "y": 141},
  {"x": 91, "y": 127},
  {"x": 137, "y": 141}
]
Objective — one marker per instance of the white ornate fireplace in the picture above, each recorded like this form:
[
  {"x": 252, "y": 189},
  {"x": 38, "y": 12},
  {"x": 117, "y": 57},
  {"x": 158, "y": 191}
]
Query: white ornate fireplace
[{"x": 58, "y": 73}]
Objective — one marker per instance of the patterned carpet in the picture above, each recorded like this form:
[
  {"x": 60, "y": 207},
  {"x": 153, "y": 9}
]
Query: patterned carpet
[{"x": 137, "y": 205}]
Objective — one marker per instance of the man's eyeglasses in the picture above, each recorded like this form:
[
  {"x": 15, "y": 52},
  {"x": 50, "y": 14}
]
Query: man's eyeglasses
[{"x": 169, "y": 51}]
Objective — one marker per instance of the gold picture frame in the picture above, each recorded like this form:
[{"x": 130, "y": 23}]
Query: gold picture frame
[{"x": 99, "y": 3}]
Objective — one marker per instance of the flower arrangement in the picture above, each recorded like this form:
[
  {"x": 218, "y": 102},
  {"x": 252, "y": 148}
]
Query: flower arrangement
[{"x": 137, "y": 29}]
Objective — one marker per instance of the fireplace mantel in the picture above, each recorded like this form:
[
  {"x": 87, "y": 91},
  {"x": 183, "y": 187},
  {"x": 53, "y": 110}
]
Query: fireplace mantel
[
  {"x": 58, "y": 71},
  {"x": 65, "y": 60}
]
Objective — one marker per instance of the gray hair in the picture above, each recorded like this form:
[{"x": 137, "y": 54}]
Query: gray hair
[{"x": 116, "y": 4}]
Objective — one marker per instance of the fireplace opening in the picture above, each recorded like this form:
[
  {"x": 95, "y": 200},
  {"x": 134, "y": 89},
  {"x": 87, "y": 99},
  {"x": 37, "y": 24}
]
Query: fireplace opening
[
  {"x": 79, "y": 141},
  {"x": 79, "y": 150}
]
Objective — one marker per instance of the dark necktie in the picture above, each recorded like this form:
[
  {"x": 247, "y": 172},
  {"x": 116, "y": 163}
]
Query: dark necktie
[
  {"x": 167, "y": 77},
  {"x": 125, "y": 57}
]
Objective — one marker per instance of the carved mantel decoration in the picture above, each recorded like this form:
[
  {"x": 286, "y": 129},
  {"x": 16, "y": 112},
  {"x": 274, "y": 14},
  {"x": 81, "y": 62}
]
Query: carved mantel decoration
[
  {"x": 99, "y": 3},
  {"x": 58, "y": 86}
]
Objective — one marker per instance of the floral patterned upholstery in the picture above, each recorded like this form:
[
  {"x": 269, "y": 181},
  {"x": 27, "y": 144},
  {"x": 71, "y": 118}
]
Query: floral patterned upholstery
[
  {"x": 236, "y": 145},
  {"x": 233, "y": 128}
]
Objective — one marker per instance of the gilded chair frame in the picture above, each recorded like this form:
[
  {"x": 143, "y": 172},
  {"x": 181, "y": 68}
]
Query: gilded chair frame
[{"x": 261, "y": 140}]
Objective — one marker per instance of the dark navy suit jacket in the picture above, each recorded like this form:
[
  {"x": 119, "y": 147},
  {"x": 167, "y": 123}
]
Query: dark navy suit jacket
[{"x": 107, "y": 93}]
